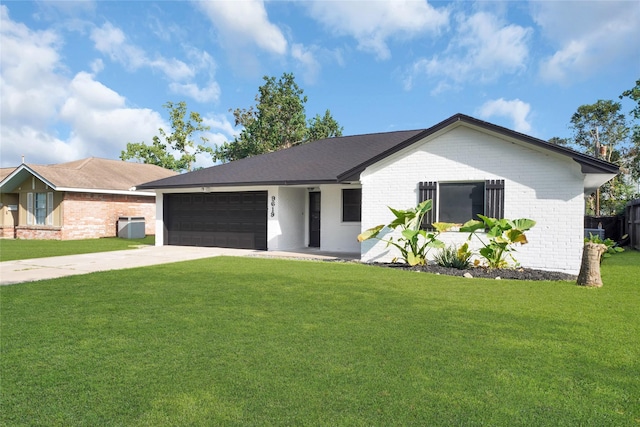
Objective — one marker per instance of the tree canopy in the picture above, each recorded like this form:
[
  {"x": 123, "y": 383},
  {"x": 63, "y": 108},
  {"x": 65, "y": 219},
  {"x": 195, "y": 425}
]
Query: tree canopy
[
  {"x": 277, "y": 121},
  {"x": 179, "y": 141},
  {"x": 633, "y": 155},
  {"x": 600, "y": 129},
  {"x": 603, "y": 131}
]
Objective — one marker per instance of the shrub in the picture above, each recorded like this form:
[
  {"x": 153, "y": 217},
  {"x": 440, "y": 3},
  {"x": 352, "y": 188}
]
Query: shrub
[
  {"x": 612, "y": 247},
  {"x": 414, "y": 242},
  {"x": 452, "y": 257},
  {"x": 503, "y": 235}
]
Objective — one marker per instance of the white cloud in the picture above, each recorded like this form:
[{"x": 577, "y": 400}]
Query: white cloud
[
  {"x": 589, "y": 36},
  {"x": 221, "y": 123},
  {"x": 307, "y": 60},
  {"x": 244, "y": 22},
  {"x": 32, "y": 77},
  {"x": 515, "y": 110},
  {"x": 50, "y": 118},
  {"x": 36, "y": 146},
  {"x": 111, "y": 41},
  {"x": 372, "y": 23},
  {"x": 99, "y": 115},
  {"x": 483, "y": 49},
  {"x": 204, "y": 64},
  {"x": 193, "y": 91}
]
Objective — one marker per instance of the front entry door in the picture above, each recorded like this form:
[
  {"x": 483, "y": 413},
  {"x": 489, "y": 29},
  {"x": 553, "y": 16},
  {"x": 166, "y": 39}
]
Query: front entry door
[{"x": 314, "y": 219}]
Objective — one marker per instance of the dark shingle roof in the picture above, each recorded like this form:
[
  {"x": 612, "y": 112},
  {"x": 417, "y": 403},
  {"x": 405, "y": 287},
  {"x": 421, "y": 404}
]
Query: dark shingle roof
[
  {"x": 315, "y": 162},
  {"x": 343, "y": 158}
]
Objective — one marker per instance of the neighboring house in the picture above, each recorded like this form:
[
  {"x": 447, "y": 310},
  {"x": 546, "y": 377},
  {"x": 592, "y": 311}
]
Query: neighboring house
[
  {"x": 324, "y": 193},
  {"x": 75, "y": 200}
]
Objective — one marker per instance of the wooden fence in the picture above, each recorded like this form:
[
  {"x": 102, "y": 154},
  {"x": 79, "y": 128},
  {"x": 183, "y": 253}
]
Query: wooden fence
[{"x": 632, "y": 223}]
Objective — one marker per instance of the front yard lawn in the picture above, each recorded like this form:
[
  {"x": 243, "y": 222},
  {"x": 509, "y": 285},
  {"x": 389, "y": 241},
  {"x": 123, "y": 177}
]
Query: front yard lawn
[
  {"x": 254, "y": 342},
  {"x": 11, "y": 249}
]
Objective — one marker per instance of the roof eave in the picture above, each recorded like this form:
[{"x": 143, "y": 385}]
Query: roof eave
[
  {"x": 15, "y": 178},
  {"x": 150, "y": 186},
  {"x": 588, "y": 164}
]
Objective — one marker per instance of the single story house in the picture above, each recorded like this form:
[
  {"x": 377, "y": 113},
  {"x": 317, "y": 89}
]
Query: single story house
[
  {"x": 76, "y": 200},
  {"x": 324, "y": 193}
]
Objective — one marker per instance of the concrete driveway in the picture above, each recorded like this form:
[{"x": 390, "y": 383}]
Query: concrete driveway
[{"x": 29, "y": 270}]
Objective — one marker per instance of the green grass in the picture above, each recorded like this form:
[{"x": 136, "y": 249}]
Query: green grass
[
  {"x": 24, "y": 249},
  {"x": 254, "y": 342}
]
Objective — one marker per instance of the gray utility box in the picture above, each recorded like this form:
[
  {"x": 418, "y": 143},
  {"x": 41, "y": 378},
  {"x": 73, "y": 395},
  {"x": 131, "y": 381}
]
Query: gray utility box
[
  {"x": 595, "y": 231},
  {"x": 131, "y": 227}
]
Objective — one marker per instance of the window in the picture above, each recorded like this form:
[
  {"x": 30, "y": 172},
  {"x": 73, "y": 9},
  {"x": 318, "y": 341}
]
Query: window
[
  {"x": 39, "y": 208},
  {"x": 352, "y": 205},
  {"x": 461, "y": 201}
]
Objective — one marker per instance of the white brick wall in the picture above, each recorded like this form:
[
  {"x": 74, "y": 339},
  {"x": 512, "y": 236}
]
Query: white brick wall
[
  {"x": 286, "y": 229},
  {"x": 336, "y": 235},
  {"x": 538, "y": 185}
]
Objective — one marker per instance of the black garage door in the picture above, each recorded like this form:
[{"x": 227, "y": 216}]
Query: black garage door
[{"x": 226, "y": 220}]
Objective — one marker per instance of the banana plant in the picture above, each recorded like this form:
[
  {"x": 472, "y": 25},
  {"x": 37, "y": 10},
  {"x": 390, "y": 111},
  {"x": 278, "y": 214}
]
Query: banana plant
[
  {"x": 414, "y": 243},
  {"x": 503, "y": 235}
]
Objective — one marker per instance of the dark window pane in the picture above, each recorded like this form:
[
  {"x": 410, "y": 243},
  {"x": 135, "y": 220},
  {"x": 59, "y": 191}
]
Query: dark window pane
[
  {"x": 352, "y": 205},
  {"x": 461, "y": 202}
]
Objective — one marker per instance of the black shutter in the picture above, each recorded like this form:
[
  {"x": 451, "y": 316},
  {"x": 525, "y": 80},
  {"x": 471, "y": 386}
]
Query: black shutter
[
  {"x": 429, "y": 190},
  {"x": 494, "y": 198}
]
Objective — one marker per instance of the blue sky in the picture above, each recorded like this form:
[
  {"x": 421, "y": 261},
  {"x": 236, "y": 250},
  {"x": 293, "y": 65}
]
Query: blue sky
[{"x": 83, "y": 78}]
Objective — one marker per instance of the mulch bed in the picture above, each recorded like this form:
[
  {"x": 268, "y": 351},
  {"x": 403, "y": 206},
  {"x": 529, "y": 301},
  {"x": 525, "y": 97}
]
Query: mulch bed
[{"x": 487, "y": 273}]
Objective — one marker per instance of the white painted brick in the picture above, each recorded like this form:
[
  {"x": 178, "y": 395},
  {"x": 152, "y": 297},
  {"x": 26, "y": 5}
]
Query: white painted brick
[{"x": 539, "y": 186}]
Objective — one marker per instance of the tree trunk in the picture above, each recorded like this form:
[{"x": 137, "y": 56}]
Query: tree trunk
[{"x": 590, "y": 268}]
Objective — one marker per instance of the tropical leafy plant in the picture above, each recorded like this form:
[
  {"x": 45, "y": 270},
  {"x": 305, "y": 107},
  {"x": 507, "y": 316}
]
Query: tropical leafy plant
[
  {"x": 414, "y": 242},
  {"x": 503, "y": 235},
  {"x": 453, "y": 257},
  {"x": 612, "y": 246}
]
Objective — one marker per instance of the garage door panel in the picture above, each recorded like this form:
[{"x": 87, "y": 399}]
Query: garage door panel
[{"x": 233, "y": 220}]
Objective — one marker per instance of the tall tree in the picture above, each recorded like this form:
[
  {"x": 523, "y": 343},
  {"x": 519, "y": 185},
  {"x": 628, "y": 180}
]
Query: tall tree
[
  {"x": 277, "y": 121},
  {"x": 633, "y": 156},
  {"x": 601, "y": 130},
  {"x": 180, "y": 141}
]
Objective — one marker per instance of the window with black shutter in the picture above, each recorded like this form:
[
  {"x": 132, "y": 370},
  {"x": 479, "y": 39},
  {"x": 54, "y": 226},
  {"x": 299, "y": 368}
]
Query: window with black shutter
[{"x": 458, "y": 202}]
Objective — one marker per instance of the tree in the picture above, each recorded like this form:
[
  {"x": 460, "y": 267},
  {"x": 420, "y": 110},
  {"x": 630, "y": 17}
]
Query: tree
[
  {"x": 180, "y": 141},
  {"x": 601, "y": 130},
  {"x": 633, "y": 156},
  {"x": 277, "y": 121},
  {"x": 323, "y": 127},
  {"x": 560, "y": 141}
]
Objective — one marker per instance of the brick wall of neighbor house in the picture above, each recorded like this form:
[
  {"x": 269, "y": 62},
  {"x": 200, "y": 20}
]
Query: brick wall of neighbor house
[
  {"x": 538, "y": 186},
  {"x": 93, "y": 215},
  {"x": 32, "y": 232},
  {"x": 7, "y": 232}
]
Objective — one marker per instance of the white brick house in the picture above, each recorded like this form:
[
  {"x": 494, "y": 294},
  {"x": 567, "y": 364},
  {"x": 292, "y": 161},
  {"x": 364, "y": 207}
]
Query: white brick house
[{"x": 323, "y": 194}]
